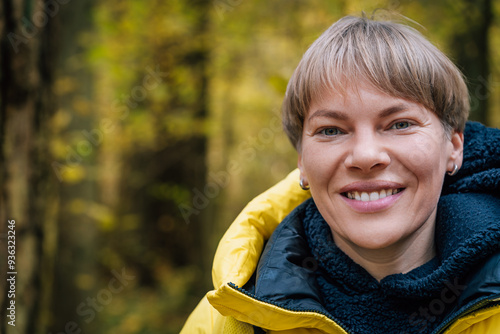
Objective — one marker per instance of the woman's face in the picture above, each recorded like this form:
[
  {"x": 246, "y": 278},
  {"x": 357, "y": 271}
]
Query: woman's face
[{"x": 375, "y": 165}]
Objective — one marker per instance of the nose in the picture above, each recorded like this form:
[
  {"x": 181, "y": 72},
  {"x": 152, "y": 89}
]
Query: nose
[{"x": 367, "y": 153}]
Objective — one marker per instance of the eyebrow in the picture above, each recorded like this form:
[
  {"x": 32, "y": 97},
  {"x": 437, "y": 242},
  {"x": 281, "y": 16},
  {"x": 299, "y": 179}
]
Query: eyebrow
[{"x": 344, "y": 116}]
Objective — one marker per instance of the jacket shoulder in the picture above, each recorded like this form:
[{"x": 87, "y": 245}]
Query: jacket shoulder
[
  {"x": 240, "y": 248},
  {"x": 480, "y": 322},
  {"x": 205, "y": 319}
]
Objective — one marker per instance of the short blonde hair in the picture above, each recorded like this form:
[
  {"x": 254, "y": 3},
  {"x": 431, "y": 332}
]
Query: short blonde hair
[{"x": 393, "y": 57}]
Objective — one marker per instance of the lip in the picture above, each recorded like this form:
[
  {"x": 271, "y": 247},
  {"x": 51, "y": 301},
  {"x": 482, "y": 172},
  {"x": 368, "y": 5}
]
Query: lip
[
  {"x": 372, "y": 206},
  {"x": 369, "y": 186}
]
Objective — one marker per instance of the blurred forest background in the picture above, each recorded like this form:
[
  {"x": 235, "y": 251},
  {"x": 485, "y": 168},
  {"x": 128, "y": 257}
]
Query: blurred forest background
[{"x": 133, "y": 132}]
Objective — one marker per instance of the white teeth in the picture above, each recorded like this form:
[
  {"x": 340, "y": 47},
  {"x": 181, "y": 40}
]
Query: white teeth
[{"x": 373, "y": 196}]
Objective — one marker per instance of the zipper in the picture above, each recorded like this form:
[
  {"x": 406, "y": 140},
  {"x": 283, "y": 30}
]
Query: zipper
[
  {"x": 473, "y": 306},
  {"x": 292, "y": 309}
]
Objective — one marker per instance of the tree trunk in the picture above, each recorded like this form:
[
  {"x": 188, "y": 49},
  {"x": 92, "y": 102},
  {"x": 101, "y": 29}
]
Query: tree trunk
[
  {"x": 27, "y": 193},
  {"x": 472, "y": 54},
  {"x": 75, "y": 265}
]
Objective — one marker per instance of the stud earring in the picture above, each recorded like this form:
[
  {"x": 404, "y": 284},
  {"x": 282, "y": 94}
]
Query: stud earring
[
  {"x": 454, "y": 171},
  {"x": 304, "y": 187}
]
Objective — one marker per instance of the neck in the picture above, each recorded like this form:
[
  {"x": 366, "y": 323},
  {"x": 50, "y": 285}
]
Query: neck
[{"x": 401, "y": 257}]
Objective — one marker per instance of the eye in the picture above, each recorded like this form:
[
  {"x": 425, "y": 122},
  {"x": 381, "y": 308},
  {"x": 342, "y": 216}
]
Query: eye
[
  {"x": 330, "y": 132},
  {"x": 400, "y": 125}
]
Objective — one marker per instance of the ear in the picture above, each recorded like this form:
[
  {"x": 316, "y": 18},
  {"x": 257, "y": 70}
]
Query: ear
[
  {"x": 302, "y": 171},
  {"x": 457, "y": 150}
]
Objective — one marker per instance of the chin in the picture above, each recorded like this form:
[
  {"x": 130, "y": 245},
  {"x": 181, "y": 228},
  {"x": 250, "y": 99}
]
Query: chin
[
  {"x": 375, "y": 243},
  {"x": 375, "y": 240}
]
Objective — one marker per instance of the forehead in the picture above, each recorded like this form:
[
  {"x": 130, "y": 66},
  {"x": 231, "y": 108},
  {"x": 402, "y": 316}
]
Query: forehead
[
  {"x": 359, "y": 100},
  {"x": 349, "y": 93}
]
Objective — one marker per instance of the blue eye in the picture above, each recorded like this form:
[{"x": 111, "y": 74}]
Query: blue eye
[
  {"x": 400, "y": 125},
  {"x": 330, "y": 132}
]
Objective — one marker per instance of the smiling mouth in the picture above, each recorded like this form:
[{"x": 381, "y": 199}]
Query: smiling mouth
[{"x": 371, "y": 196}]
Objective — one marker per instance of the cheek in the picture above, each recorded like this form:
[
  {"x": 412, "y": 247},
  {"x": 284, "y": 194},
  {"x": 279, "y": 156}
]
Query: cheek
[
  {"x": 425, "y": 157},
  {"x": 319, "y": 163}
]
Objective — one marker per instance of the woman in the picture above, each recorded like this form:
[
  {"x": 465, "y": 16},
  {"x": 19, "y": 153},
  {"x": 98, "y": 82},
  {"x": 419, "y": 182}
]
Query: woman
[{"x": 387, "y": 243}]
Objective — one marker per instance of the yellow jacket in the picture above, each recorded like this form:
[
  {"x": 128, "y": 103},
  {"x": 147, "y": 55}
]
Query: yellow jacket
[{"x": 226, "y": 309}]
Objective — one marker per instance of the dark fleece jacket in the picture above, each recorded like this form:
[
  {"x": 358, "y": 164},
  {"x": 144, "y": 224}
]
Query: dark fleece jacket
[{"x": 302, "y": 269}]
